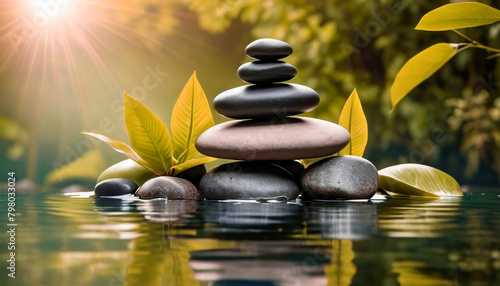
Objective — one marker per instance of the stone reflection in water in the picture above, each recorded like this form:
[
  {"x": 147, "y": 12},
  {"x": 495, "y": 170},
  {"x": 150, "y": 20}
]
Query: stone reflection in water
[
  {"x": 173, "y": 211},
  {"x": 109, "y": 206},
  {"x": 262, "y": 263},
  {"x": 247, "y": 217},
  {"x": 343, "y": 220}
]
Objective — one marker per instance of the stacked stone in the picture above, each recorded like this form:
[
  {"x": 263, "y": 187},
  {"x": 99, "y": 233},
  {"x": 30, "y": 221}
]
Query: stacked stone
[{"x": 265, "y": 135}]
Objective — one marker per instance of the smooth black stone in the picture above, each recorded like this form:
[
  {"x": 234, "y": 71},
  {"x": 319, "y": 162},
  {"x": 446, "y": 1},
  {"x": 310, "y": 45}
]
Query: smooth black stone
[
  {"x": 172, "y": 188},
  {"x": 266, "y": 101},
  {"x": 268, "y": 49},
  {"x": 194, "y": 174},
  {"x": 248, "y": 180},
  {"x": 340, "y": 177},
  {"x": 259, "y": 72},
  {"x": 115, "y": 187}
]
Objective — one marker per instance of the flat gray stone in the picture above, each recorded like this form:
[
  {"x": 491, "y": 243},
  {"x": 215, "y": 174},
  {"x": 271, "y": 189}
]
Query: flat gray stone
[
  {"x": 172, "y": 188},
  {"x": 268, "y": 49},
  {"x": 287, "y": 138},
  {"x": 340, "y": 177},
  {"x": 248, "y": 180},
  {"x": 266, "y": 72},
  {"x": 266, "y": 101}
]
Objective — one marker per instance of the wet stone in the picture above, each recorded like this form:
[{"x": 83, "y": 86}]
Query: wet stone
[
  {"x": 115, "y": 187},
  {"x": 260, "y": 72},
  {"x": 266, "y": 101},
  {"x": 340, "y": 177},
  {"x": 248, "y": 180},
  {"x": 268, "y": 49},
  {"x": 172, "y": 188}
]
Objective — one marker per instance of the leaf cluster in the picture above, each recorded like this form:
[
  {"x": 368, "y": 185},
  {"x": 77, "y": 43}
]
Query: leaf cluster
[
  {"x": 151, "y": 145},
  {"x": 445, "y": 18}
]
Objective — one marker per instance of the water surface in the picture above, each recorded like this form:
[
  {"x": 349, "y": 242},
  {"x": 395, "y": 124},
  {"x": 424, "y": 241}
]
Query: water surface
[{"x": 63, "y": 240}]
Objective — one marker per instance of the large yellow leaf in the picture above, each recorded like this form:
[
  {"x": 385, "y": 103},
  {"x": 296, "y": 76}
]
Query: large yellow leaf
[
  {"x": 190, "y": 164},
  {"x": 419, "y": 68},
  {"x": 353, "y": 119},
  {"x": 127, "y": 169},
  {"x": 88, "y": 166},
  {"x": 148, "y": 136},
  {"x": 190, "y": 118},
  {"x": 418, "y": 180},
  {"x": 124, "y": 149},
  {"x": 457, "y": 16}
]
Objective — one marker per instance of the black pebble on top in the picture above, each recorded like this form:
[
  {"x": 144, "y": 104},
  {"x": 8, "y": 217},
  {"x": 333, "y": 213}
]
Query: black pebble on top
[{"x": 268, "y": 49}]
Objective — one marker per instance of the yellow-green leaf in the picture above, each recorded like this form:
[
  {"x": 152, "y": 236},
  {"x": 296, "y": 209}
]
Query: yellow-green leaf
[
  {"x": 124, "y": 149},
  {"x": 190, "y": 164},
  {"x": 88, "y": 166},
  {"x": 419, "y": 68},
  {"x": 457, "y": 16},
  {"x": 127, "y": 169},
  {"x": 190, "y": 118},
  {"x": 353, "y": 119},
  {"x": 418, "y": 180},
  {"x": 148, "y": 135}
]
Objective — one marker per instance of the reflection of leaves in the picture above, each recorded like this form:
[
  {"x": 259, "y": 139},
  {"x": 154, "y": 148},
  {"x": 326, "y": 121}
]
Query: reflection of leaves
[
  {"x": 158, "y": 259},
  {"x": 342, "y": 269},
  {"x": 418, "y": 180},
  {"x": 190, "y": 118},
  {"x": 88, "y": 166},
  {"x": 419, "y": 68},
  {"x": 353, "y": 119},
  {"x": 148, "y": 135},
  {"x": 127, "y": 169},
  {"x": 457, "y": 16}
]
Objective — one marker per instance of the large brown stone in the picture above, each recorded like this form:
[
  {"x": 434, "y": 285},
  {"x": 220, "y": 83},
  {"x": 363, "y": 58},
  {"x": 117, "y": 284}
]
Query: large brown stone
[{"x": 286, "y": 138}]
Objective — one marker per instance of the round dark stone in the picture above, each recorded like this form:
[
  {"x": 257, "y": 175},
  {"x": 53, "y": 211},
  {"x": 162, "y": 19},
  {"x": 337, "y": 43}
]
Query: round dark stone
[
  {"x": 248, "y": 180},
  {"x": 266, "y": 101},
  {"x": 268, "y": 49},
  {"x": 172, "y": 188},
  {"x": 115, "y": 187},
  {"x": 193, "y": 174},
  {"x": 260, "y": 72},
  {"x": 341, "y": 177}
]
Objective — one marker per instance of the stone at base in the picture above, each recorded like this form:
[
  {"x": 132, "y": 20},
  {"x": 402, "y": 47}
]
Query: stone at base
[
  {"x": 340, "y": 177},
  {"x": 172, "y": 188},
  {"x": 115, "y": 187},
  {"x": 248, "y": 180}
]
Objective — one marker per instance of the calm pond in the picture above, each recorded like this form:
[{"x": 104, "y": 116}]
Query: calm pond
[{"x": 64, "y": 240}]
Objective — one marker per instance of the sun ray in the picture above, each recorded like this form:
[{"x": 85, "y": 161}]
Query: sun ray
[{"x": 53, "y": 51}]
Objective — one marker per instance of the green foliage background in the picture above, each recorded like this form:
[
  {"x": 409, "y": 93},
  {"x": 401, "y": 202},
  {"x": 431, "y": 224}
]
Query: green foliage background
[{"x": 451, "y": 121}]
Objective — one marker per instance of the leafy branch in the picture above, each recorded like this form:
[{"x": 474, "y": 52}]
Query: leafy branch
[
  {"x": 152, "y": 147},
  {"x": 449, "y": 17}
]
